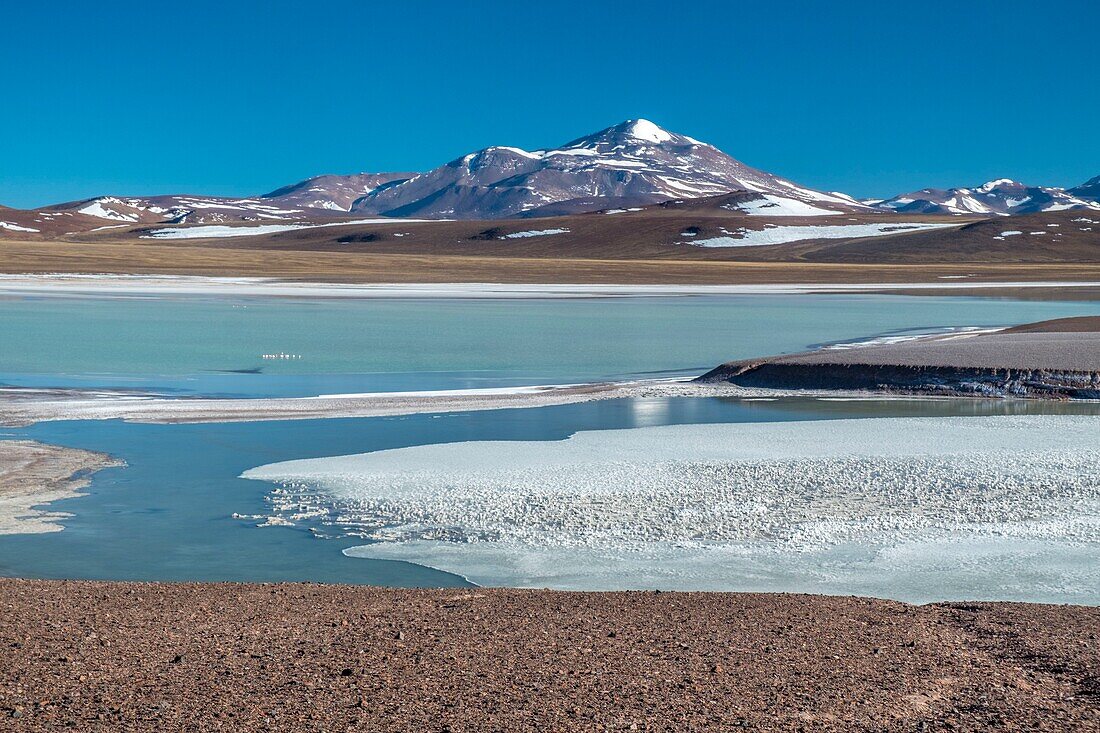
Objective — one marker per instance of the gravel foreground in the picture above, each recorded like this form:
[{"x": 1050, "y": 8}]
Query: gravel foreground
[{"x": 98, "y": 656}]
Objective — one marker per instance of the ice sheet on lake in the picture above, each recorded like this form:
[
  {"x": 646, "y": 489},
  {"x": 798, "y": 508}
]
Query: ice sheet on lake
[{"x": 910, "y": 508}]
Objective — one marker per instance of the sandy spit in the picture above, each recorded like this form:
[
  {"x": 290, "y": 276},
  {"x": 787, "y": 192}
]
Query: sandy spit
[
  {"x": 39, "y": 406},
  {"x": 33, "y": 474}
]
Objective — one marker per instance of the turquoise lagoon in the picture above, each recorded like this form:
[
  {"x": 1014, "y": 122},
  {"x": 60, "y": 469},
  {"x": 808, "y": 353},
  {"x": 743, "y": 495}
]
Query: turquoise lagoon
[{"x": 179, "y": 511}]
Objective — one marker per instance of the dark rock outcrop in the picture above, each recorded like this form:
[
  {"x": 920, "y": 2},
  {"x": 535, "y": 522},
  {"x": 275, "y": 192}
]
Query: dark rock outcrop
[
  {"x": 1058, "y": 359},
  {"x": 909, "y": 379}
]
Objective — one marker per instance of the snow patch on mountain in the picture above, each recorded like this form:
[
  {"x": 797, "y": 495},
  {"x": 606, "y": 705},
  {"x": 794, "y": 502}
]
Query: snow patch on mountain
[
  {"x": 769, "y": 205},
  {"x": 646, "y": 130},
  {"x": 100, "y": 209}
]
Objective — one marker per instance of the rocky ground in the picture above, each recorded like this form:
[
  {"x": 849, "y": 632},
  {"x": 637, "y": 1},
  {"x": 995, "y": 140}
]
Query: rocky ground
[{"x": 94, "y": 656}]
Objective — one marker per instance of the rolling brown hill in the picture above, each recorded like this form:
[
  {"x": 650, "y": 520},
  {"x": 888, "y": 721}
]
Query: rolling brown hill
[
  {"x": 674, "y": 230},
  {"x": 656, "y": 243}
]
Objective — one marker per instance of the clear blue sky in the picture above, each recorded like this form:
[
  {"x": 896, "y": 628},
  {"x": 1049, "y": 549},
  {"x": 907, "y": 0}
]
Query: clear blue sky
[{"x": 239, "y": 98}]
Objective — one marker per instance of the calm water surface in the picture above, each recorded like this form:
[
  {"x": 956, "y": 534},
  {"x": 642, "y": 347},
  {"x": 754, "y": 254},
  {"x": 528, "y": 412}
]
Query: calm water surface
[
  {"x": 208, "y": 346},
  {"x": 169, "y": 515}
]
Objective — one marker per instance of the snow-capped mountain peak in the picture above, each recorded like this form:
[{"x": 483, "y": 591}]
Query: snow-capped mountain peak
[
  {"x": 630, "y": 135},
  {"x": 1089, "y": 190},
  {"x": 633, "y": 163},
  {"x": 646, "y": 130},
  {"x": 989, "y": 186},
  {"x": 1002, "y": 196}
]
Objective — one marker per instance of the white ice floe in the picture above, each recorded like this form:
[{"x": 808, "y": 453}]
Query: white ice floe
[
  {"x": 15, "y": 227},
  {"x": 219, "y": 230},
  {"x": 534, "y": 233},
  {"x": 796, "y": 233},
  {"x": 909, "y": 508}
]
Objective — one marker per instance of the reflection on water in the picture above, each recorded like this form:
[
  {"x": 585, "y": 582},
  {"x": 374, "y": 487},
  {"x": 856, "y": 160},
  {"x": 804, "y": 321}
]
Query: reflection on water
[{"x": 169, "y": 514}]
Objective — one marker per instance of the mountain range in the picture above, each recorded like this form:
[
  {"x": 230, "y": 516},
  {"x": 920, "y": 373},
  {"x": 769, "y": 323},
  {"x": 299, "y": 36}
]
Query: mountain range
[
  {"x": 1003, "y": 196},
  {"x": 632, "y": 164}
]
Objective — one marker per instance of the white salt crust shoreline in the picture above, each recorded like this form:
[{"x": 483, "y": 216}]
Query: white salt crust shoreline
[
  {"x": 174, "y": 285},
  {"x": 24, "y": 407},
  {"x": 33, "y": 475}
]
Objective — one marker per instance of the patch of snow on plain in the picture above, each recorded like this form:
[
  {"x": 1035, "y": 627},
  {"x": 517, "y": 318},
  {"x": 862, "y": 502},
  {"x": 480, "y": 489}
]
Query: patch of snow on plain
[
  {"x": 534, "y": 233},
  {"x": 795, "y": 233},
  {"x": 15, "y": 227},
  {"x": 219, "y": 230},
  {"x": 879, "y": 507}
]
